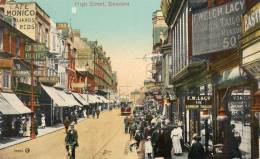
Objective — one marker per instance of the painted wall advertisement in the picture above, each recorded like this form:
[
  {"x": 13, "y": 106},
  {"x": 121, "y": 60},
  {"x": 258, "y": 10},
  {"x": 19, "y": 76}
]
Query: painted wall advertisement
[
  {"x": 217, "y": 28},
  {"x": 25, "y": 14}
]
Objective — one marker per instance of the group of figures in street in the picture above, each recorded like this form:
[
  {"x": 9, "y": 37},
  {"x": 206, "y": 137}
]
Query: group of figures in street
[
  {"x": 155, "y": 133},
  {"x": 158, "y": 137}
]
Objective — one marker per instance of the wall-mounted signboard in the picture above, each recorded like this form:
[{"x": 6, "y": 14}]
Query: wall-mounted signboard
[
  {"x": 198, "y": 102},
  {"x": 218, "y": 28}
]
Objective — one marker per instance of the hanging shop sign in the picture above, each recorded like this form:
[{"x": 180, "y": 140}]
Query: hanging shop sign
[
  {"x": 6, "y": 63},
  {"x": 40, "y": 52},
  {"x": 218, "y": 28},
  {"x": 199, "y": 102},
  {"x": 78, "y": 85},
  {"x": 251, "y": 18},
  {"x": 62, "y": 26}
]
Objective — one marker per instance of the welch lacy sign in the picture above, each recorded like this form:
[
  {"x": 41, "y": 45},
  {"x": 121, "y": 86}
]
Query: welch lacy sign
[
  {"x": 217, "y": 28},
  {"x": 198, "y": 102}
]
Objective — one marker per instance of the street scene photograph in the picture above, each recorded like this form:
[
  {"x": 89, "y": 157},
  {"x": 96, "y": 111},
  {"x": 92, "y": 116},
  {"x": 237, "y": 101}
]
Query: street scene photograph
[{"x": 129, "y": 79}]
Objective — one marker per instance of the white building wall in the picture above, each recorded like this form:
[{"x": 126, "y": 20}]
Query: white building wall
[{"x": 180, "y": 41}]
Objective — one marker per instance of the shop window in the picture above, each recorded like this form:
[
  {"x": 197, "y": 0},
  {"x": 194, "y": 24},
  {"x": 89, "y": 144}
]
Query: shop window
[
  {"x": 6, "y": 78},
  {"x": 239, "y": 102}
]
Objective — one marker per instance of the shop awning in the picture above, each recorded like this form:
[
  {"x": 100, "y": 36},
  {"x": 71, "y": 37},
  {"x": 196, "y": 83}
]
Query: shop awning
[
  {"x": 232, "y": 78},
  {"x": 80, "y": 98},
  {"x": 104, "y": 99},
  {"x": 91, "y": 98},
  {"x": 55, "y": 96},
  {"x": 69, "y": 98},
  {"x": 97, "y": 98},
  {"x": 10, "y": 104}
]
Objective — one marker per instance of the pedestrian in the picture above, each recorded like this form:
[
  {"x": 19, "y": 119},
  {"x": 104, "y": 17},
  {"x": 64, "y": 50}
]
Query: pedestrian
[
  {"x": 43, "y": 124},
  {"x": 71, "y": 141},
  {"x": 137, "y": 138},
  {"x": 18, "y": 125},
  {"x": 36, "y": 125},
  {"x": 84, "y": 113},
  {"x": 88, "y": 112},
  {"x": 28, "y": 126},
  {"x": 13, "y": 126},
  {"x": 74, "y": 118},
  {"x": 147, "y": 131},
  {"x": 155, "y": 138},
  {"x": 126, "y": 124},
  {"x": 235, "y": 143},
  {"x": 160, "y": 145},
  {"x": 196, "y": 151},
  {"x": 168, "y": 143},
  {"x": 66, "y": 123},
  {"x": 93, "y": 113},
  {"x": 176, "y": 136},
  {"x": 97, "y": 112},
  {"x": 24, "y": 125},
  {"x": 148, "y": 148},
  {"x": 132, "y": 129}
]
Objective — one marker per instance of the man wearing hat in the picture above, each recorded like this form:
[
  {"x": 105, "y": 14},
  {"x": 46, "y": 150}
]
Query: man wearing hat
[
  {"x": 71, "y": 140},
  {"x": 196, "y": 150}
]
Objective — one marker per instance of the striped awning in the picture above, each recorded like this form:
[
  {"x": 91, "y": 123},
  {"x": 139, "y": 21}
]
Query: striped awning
[{"x": 10, "y": 104}]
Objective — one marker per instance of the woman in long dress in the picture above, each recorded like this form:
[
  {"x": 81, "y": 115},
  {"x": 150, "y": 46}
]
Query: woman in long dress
[
  {"x": 43, "y": 121},
  {"x": 176, "y": 136}
]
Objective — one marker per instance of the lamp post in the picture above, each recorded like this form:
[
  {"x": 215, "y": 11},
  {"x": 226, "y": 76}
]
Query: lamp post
[
  {"x": 205, "y": 117},
  {"x": 86, "y": 81}
]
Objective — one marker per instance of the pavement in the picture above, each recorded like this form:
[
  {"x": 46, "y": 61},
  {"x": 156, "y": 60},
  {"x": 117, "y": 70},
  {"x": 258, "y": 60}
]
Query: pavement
[{"x": 11, "y": 141}]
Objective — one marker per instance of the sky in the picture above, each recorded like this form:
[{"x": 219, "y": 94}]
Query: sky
[{"x": 125, "y": 32}]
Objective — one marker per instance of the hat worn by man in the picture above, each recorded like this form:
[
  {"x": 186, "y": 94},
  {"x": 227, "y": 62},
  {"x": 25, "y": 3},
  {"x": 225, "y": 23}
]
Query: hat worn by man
[
  {"x": 196, "y": 137},
  {"x": 148, "y": 137}
]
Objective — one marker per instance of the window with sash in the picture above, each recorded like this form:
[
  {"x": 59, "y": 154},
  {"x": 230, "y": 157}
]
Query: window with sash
[{"x": 6, "y": 78}]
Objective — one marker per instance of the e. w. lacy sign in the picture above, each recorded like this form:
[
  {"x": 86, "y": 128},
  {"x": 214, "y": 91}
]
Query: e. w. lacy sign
[
  {"x": 196, "y": 102},
  {"x": 218, "y": 28}
]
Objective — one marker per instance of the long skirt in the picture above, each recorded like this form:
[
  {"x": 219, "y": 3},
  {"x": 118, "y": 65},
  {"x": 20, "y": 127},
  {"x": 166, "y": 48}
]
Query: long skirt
[{"x": 176, "y": 146}]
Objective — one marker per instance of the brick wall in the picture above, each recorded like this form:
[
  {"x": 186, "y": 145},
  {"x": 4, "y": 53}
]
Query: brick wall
[
  {"x": 22, "y": 48},
  {"x": 6, "y": 43}
]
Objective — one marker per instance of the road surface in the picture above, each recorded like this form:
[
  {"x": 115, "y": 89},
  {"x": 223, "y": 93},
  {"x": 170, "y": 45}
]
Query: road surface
[{"x": 98, "y": 139}]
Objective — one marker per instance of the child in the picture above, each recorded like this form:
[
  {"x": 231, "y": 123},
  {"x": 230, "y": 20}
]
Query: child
[{"x": 148, "y": 147}]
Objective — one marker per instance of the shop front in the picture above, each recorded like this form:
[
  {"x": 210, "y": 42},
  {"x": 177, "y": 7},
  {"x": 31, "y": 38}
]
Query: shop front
[
  {"x": 193, "y": 87},
  {"x": 233, "y": 124}
]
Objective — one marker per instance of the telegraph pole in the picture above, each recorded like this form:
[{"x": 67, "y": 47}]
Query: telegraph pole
[{"x": 32, "y": 135}]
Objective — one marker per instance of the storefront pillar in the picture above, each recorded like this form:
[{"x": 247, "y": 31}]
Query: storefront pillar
[{"x": 255, "y": 116}]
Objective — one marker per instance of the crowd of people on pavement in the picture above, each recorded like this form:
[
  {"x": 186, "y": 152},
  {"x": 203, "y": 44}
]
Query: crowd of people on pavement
[{"x": 154, "y": 134}]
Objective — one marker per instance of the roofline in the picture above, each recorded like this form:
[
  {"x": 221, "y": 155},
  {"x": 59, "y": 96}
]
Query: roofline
[{"x": 37, "y": 5}]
